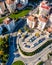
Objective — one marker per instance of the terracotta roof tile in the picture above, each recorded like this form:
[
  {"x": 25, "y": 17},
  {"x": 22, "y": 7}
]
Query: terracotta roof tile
[
  {"x": 9, "y": 1},
  {"x": 32, "y": 18},
  {"x": 49, "y": 29},
  {"x": 43, "y": 18}
]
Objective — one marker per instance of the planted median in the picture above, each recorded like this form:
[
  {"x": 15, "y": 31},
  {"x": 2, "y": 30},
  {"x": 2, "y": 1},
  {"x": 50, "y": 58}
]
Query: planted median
[{"x": 37, "y": 50}]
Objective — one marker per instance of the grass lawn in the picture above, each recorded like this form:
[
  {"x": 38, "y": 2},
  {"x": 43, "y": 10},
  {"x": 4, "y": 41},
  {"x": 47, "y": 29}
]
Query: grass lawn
[
  {"x": 19, "y": 14},
  {"x": 18, "y": 63},
  {"x": 1, "y": 19}
]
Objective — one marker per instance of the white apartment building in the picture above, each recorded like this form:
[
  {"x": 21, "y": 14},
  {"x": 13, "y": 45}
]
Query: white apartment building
[
  {"x": 16, "y": 1},
  {"x": 44, "y": 8},
  {"x": 2, "y": 8},
  {"x": 50, "y": 19},
  {"x": 1, "y": 12},
  {"x": 31, "y": 21},
  {"x": 11, "y": 5},
  {"x": 24, "y": 2},
  {"x": 50, "y": 24},
  {"x": 9, "y": 24},
  {"x": 20, "y": 4},
  {"x": 42, "y": 22}
]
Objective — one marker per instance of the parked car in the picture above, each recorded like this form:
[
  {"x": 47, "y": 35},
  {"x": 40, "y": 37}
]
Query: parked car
[
  {"x": 17, "y": 55},
  {"x": 32, "y": 39},
  {"x": 41, "y": 40},
  {"x": 50, "y": 35},
  {"x": 27, "y": 46}
]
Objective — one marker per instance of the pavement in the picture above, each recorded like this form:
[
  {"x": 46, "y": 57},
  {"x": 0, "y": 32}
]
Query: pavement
[
  {"x": 32, "y": 43},
  {"x": 36, "y": 57}
]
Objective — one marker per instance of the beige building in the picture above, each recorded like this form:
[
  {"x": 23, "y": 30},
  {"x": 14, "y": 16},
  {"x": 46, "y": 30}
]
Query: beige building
[
  {"x": 31, "y": 21},
  {"x": 11, "y": 5},
  {"x": 44, "y": 8},
  {"x": 42, "y": 22},
  {"x": 2, "y": 8}
]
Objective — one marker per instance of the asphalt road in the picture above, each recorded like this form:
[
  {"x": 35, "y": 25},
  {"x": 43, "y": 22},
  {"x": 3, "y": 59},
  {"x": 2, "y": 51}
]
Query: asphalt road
[{"x": 36, "y": 57}]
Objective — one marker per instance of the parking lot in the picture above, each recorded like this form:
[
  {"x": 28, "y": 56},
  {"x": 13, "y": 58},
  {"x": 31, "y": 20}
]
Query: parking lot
[{"x": 31, "y": 41}]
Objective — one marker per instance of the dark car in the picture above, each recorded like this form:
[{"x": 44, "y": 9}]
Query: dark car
[
  {"x": 17, "y": 55},
  {"x": 32, "y": 39},
  {"x": 39, "y": 59},
  {"x": 50, "y": 35}
]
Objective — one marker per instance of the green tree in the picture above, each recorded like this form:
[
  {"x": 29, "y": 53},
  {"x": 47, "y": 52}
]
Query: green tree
[{"x": 40, "y": 63}]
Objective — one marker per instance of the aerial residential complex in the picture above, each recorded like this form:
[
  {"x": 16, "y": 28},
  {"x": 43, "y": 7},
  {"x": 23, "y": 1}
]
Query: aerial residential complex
[
  {"x": 11, "y": 5},
  {"x": 25, "y": 32}
]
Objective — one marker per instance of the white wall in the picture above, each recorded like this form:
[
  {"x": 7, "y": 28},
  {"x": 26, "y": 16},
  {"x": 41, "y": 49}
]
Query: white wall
[
  {"x": 41, "y": 25},
  {"x": 1, "y": 12},
  {"x": 50, "y": 20},
  {"x": 11, "y": 7},
  {"x": 30, "y": 23},
  {"x": 16, "y": 1},
  {"x": 24, "y": 2}
]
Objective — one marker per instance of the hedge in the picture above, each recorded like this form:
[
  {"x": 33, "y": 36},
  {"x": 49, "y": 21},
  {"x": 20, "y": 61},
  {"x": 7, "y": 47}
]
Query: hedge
[{"x": 37, "y": 50}]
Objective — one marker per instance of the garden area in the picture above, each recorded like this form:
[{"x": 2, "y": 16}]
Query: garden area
[
  {"x": 18, "y": 63},
  {"x": 18, "y": 14},
  {"x": 4, "y": 49}
]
